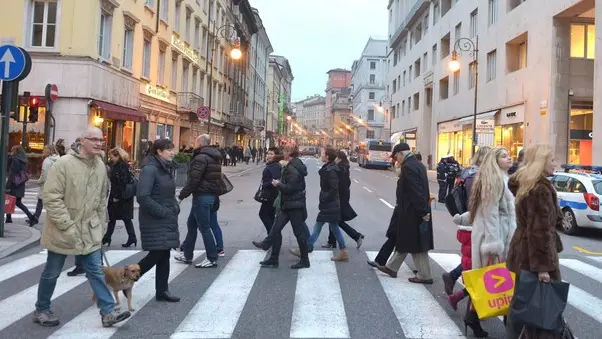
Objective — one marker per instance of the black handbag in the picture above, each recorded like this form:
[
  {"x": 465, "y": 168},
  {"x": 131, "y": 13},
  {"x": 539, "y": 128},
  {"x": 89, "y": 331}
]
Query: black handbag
[
  {"x": 130, "y": 189},
  {"x": 538, "y": 304},
  {"x": 263, "y": 195}
]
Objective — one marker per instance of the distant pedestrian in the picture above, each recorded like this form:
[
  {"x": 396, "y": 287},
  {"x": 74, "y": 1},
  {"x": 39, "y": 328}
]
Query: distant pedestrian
[
  {"x": 50, "y": 156},
  {"x": 75, "y": 195},
  {"x": 272, "y": 171},
  {"x": 16, "y": 179}
]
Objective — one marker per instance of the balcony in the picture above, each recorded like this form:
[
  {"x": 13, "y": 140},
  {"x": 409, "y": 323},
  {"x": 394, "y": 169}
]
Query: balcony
[
  {"x": 259, "y": 123},
  {"x": 188, "y": 101},
  {"x": 410, "y": 19},
  {"x": 241, "y": 120}
]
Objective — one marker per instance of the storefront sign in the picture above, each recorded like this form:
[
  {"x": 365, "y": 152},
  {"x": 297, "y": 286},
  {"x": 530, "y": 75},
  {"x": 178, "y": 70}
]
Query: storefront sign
[
  {"x": 450, "y": 126},
  {"x": 581, "y": 134},
  {"x": 511, "y": 115},
  {"x": 157, "y": 92},
  {"x": 410, "y": 135},
  {"x": 485, "y": 126},
  {"x": 183, "y": 48}
]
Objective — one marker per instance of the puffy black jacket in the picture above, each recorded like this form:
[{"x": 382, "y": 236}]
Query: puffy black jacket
[
  {"x": 205, "y": 173},
  {"x": 330, "y": 204},
  {"x": 292, "y": 185}
]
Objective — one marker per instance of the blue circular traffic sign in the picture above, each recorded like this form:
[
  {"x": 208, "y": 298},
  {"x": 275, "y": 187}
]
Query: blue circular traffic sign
[{"x": 12, "y": 62}]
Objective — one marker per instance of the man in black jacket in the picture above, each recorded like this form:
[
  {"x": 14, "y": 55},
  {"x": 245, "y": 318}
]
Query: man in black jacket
[
  {"x": 205, "y": 184},
  {"x": 293, "y": 209}
]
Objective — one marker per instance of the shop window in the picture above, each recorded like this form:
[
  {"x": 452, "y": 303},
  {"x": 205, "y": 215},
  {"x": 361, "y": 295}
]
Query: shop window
[
  {"x": 164, "y": 131},
  {"x": 583, "y": 41},
  {"x": 510, "y": 137},
  {"x": 580, "y": 133},
  {"x": 43, "y": 23}
]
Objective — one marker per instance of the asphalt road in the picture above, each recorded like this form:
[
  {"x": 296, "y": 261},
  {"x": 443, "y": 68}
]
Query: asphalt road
[{"x": 240, "y": 300}]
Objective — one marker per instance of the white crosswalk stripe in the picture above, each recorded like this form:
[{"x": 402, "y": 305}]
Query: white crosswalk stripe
[{"x": 318, "y": 303}]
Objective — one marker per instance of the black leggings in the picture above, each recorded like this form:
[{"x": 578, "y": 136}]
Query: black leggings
[
  {"x": 129, "y": 227},
  {"x": 160, "y": 259},
  {"x": 23, "y": 208}
]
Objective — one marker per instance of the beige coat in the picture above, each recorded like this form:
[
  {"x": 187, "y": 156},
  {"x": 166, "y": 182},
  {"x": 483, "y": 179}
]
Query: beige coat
[{"x": 75, "y": 199}]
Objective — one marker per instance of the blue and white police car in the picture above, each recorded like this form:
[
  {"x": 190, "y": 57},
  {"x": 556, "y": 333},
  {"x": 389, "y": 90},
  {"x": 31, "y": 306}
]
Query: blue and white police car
[{"x": 579, "y": 190}]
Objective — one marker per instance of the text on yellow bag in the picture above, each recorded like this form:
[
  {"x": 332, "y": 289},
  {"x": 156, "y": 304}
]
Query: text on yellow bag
[{"x": 491, "y": 289}]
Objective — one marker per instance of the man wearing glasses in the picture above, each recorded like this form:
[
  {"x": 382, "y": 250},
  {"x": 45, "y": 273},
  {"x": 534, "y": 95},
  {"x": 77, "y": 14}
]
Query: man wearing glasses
[{"x": 75, "y": 195}]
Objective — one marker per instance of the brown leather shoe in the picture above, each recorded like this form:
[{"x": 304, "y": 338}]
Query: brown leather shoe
[
  {"x": 417, "y": 280},
  {"x": 387, "y": 270}
]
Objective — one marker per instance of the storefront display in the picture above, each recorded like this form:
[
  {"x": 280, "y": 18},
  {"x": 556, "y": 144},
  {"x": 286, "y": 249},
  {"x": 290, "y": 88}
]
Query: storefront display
[
  {"x": 580, "y": 133},
  {"x": 509, "y": 129},
  {"x": 456, "y": 139}
]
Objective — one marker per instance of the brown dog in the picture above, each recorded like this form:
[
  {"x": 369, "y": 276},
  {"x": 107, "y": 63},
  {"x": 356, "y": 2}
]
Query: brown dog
[{"x": 121, "y": 279}]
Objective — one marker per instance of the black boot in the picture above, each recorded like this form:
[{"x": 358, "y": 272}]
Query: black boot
[
  {"x": 471, "y": 319},
  {"x": 76, "y": 271},
  {"x": 303, "y": 263},
  {"x": 9, "y": 219},
  {"x": 130, "y": 242},
  {"x": 166, "y": 296},
  {"x": 270, "y": 263}
]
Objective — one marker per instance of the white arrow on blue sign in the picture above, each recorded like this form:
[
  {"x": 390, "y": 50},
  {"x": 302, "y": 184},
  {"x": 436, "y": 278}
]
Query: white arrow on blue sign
[{"x": 12, "y": 62}]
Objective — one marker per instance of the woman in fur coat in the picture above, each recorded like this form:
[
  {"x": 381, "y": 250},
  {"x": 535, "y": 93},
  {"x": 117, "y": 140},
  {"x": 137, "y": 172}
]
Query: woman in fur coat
[{"x": 536, "y": 244}]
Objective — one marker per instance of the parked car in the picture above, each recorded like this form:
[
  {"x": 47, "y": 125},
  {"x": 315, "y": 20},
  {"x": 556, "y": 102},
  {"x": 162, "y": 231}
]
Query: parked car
[{"x": 579, "y": 193}]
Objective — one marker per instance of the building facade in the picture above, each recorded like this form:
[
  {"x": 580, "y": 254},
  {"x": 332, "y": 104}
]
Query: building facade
[
  {"x": 285, "y": 111},
  {"x": 338, "y": 80},
  {"x": 311, "y": 114},
  {"x": 262, "y": 48},
  {"x": 368, "y": 80},
  {"x": 137, "y": 69},
  {"x": 533, "y": 76},
  {"x": 273, "y": 103}
]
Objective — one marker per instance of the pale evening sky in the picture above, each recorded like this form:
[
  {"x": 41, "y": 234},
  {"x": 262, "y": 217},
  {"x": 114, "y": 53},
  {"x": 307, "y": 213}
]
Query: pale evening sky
[{"x": 319, "y": 35}]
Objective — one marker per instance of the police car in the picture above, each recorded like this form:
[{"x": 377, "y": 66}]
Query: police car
[{"x": 579, "y": 190}]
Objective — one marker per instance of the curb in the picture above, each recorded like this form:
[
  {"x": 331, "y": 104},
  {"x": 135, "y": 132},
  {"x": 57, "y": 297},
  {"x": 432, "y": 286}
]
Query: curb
[{"x": 32, "y": 241}]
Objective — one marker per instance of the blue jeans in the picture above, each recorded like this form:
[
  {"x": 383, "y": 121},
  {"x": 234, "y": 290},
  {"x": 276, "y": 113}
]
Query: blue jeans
[
  {"x": 334, "y": 228},
  {"x": 200, "y": 218},
  {"x": 217, "y": 232},
  {"x": 94, "y": 273}
]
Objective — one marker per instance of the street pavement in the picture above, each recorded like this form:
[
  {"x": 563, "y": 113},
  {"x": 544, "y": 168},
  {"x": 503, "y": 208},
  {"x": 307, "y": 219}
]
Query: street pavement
[{"x": 330, "y": 300}]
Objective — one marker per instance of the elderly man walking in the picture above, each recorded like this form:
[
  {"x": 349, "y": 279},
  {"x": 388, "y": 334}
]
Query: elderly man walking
[
  {"x": 205, "y": 184},
  {"x": 75, "y": 197}
]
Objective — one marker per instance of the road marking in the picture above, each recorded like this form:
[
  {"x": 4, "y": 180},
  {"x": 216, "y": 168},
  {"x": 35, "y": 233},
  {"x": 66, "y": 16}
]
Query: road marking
[
  {"x": 144, "y": 291},
  {"x": 424, "y": 319},
  {"x": 585, "y": 302},
  {"x": 449, "y": 261},
  {"x": 21, "y": 304},
  {"x": 583, "y": 250},
  {"x": 597, "y": 259},
  {"x": 19, "y": 266},
  {"x": 318, "y": 310},
  {"x": 386, "y": 203},
  {"x": 367, "y": 189},
  {"x": 357, "y": 169},
  {"x": 215, "y": 315},
  {"x": 357, "y": 182},
  {"x": 586, "y": 269}
]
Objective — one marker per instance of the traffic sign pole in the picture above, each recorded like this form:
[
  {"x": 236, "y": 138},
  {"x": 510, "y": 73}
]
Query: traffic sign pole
[{"x": 7, "y": 94}]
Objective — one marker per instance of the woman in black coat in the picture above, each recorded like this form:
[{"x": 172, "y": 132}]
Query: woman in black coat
[
  {"x": 119, "y": 207},
  {"x": 158, "y": 215},
  {"x": 347, "y": 212},
  {"x": 15, "y": 185},
  {"x": 267, "y": 211},
  {"x": 329, "y": 205}
]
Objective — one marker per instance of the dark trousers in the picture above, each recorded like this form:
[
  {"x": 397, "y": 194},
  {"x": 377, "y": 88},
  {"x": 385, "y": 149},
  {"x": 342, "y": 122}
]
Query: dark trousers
[
  {"x": 129, "y": 228},
  {"x": 267, "y": 214},
  {"x": 385, "y": 251},
  {"x": 351, "y": 232},
  {"x": 442, "y": 190},
  {"x": 456, "y": 273},
  {"x": 22, "y": 207},
  {"x": 160, "y": 259},
  {"x": 297, "y": 219},
  {"x": 39, "y": 207}
]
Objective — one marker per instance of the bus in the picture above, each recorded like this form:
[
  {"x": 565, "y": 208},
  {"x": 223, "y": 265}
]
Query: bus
[{"x": 374, "y": 153}]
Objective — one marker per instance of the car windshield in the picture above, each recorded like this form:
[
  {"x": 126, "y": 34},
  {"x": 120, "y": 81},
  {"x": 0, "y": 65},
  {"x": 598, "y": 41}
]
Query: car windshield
[{"x": 597, "y": 186}]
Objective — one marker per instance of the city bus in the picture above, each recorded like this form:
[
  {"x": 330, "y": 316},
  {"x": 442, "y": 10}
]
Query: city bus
[{"x": 374, "y": 153}]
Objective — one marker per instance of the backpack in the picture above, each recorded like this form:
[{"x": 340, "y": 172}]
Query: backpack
[{"x": 456, "y": 201}]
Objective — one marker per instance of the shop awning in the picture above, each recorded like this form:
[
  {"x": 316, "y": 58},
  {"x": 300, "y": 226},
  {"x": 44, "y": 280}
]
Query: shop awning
[
  {"x": 115, "y": 112},
  {"x": 487, "y": 115},
  {"x": 396, "y": 136}
]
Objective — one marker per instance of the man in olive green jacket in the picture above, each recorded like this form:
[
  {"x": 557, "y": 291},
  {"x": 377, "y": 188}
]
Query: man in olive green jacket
[{"x": 75, "y": 197}]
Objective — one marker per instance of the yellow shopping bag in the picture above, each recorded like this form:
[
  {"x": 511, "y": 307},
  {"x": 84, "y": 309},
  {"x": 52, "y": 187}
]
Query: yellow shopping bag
[{"x": 491, "y": 289}]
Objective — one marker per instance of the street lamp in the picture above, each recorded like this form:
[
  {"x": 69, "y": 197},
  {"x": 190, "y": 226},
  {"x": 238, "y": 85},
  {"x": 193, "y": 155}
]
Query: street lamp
[
  {"x": 235, "y": 54},
  {"x": 472, "y": 47}
]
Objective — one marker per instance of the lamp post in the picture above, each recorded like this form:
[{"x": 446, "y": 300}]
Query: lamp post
[
  {"x": 235, "y": 54},
  {"x": 388, "y": 99},
  {"x": 472, "y": 47}
]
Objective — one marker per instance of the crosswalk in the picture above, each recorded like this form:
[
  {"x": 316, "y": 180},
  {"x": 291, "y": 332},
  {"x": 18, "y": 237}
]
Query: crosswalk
[{"x": 241, "y": 300}]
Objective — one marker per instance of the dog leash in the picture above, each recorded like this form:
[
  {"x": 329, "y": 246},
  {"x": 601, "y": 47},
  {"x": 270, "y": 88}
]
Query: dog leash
[{"x": 104, "y": 257}]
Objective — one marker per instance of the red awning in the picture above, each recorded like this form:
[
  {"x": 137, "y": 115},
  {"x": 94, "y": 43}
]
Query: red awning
[{"x": 114, "y": 112}]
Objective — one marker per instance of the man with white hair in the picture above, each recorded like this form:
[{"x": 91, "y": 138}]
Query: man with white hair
[
  {"x": 205, "y": 184},
  {"x": 75, "y": 197}
]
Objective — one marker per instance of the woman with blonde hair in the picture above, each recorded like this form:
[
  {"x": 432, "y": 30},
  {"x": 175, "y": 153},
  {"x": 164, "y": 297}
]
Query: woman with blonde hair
[
  {"x": 121, "y": 206},
  {"x": 536, "y": 244},
  {"x": 492, "y": 216}
]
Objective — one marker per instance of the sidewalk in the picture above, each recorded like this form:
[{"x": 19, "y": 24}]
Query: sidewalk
[
  {"x": 18, "y": 237},
  {"x": 241, "y": 168}
]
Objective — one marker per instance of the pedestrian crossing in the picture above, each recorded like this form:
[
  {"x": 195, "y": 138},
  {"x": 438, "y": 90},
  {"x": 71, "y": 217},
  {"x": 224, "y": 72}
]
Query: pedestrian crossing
[{"x": 241, "y": 300}]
